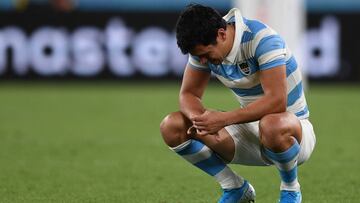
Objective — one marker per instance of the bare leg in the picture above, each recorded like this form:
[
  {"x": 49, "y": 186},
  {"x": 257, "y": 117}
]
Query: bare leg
[
  {"x": 280, "y": 135},
  {"x": 201, "y": 151},
  {"x": 175, "y": 125}
]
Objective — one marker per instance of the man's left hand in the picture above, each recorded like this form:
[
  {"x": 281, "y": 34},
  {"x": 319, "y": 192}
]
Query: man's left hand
[{"x": 210, "y": 122}]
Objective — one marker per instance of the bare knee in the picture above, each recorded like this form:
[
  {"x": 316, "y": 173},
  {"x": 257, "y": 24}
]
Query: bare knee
[
  {"x": 173, "y": 129},
  {"x": 276, "y": 132}
]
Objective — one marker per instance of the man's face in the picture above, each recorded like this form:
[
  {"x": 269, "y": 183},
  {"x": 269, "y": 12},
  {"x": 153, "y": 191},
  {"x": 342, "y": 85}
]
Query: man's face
[
  {"x": 210, "y": 53},
  {"x": 213, "y": 53}
]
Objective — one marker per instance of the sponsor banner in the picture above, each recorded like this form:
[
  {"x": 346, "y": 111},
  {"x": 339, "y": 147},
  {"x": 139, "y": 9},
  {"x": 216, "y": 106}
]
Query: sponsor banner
[
  {"x": 36, "y": 44},
  {"x": 329, "y": 46}
]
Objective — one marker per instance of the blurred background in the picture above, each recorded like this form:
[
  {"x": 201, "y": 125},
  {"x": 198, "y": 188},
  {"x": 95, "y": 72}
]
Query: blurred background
[
  {"x": 84, "y": 85},
  {"x": 135, "y": 39}
]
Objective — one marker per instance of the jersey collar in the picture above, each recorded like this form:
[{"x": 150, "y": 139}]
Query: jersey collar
[{"x": 239, "y": 29}]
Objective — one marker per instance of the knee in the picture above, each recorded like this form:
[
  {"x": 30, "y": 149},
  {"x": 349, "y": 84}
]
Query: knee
[
  {"x": 271, "y": 130},
  {"x": 172, "y": 122},
  {"x": 173, "y": 129}
]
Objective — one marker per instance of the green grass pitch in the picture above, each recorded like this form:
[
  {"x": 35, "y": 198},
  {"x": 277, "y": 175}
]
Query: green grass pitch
[{"x": 100, "y": 142}]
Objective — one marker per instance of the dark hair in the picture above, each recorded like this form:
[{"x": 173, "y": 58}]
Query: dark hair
[{"x": 198, "y": 25}]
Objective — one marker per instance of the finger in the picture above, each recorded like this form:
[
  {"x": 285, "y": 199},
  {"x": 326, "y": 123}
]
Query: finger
[
  {"x": 192, "y": 119},
  {"x": 198, "y": 118},
  {"x": 202, "y": 132},
  {"x": 200, "y": 127},
  {"x": 199, "y": 122}
]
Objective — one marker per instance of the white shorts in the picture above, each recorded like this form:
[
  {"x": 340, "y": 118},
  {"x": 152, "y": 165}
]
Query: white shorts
[{"x": 248, "y": 148}]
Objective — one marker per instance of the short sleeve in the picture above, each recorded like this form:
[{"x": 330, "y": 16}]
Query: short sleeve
[{"x": 270, "y": 52}]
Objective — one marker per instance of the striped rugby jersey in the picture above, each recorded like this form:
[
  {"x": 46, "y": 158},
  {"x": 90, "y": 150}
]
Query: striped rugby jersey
[{"x": 256, "y": 47}]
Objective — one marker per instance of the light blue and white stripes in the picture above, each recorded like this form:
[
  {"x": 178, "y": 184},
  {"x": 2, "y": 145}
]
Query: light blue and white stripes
[
  {"x": 205, "y": 159},
  {"x": 286, "y": 162},
  {"x": 261, "y": 48},
  {"x": 201, "y": 156}
]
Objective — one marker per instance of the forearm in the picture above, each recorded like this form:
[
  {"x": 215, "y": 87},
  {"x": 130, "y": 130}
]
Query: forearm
[
  {"x": 256, "y": 110},
  {"x": 190, "y": 105}
]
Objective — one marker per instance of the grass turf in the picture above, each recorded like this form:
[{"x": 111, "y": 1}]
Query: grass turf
[{"x": 100, "y": 142}]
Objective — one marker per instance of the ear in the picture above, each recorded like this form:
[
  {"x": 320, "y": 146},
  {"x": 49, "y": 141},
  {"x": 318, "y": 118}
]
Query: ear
[{"x": 222, "y": 34}]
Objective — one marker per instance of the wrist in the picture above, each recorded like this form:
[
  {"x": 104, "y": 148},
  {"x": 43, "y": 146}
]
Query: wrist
[{"x": 227, "y": 118}]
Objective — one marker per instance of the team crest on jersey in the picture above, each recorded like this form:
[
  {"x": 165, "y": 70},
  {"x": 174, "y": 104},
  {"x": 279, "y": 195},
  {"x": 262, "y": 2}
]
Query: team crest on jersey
[{"x": 244, "y": 68}]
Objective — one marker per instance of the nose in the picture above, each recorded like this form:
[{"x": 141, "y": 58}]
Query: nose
[{"x": 203, "y": 60}]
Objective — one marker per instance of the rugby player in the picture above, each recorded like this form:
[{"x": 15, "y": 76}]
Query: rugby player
[{"x": 271, "y": 125}]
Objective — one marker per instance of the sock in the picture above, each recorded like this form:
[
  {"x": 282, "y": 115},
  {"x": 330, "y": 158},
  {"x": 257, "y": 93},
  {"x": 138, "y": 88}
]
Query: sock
[
  {"x": 205, "y": 159},
  {"x": 286, "y": 163}
]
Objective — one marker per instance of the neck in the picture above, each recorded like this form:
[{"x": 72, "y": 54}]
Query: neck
[{"x": 231, "y": 37}]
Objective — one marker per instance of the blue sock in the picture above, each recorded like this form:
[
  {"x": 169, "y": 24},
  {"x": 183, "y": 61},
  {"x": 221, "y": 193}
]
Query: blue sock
[
  {"x": 205, "y": 159},
  {"x": 286, "y": 163}
]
